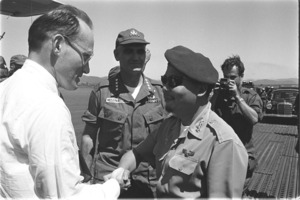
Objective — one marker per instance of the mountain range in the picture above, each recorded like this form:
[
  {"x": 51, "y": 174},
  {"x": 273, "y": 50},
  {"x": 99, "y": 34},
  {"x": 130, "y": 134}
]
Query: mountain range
[{"x": 93, "y": 80}]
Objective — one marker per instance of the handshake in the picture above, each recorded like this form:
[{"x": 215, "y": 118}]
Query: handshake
[{"x": 122, "y": 176}]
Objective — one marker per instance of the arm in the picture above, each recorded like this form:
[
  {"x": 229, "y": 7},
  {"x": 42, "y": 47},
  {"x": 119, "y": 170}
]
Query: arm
[
  {"x": 91, "y": 128},
  {"x": 87, "y": 144},
  {"x": 249, "y": 113},
  {"x": 54, "y": 162},
  {"x": 227, "y": 170},
  {"x": 131, "y": 159}
]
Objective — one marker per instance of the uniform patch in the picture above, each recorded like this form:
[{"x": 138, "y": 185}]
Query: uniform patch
[
  {"x": 152, "y": 100},
  {"x": 114, "y": 100}
]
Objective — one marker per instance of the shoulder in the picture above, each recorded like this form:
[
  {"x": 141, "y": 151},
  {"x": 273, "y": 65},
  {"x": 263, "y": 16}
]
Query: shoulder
[
  {"x": 248, "y": 91},
  {"x": 223, "y": 131},
  {"x": 104, "y": 83},
  {"x": 169, "y": 120},
  {"x": 155, "y": 82}
]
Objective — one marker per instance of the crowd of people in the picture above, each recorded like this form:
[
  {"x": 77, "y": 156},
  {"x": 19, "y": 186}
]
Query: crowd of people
[
  {"x": 16, "y": 62},
  {"x": 185, "y": 136}
]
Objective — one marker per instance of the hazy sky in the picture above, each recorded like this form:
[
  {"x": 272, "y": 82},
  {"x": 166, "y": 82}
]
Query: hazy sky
[{"x": 264, "y": 33}]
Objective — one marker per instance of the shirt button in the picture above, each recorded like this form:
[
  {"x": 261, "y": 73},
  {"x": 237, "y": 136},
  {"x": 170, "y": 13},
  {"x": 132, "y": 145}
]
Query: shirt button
[
  {"x": 151, "y": 118},
  {"x": 180, "y": 169},
  {"x": 120, "y": 117}
]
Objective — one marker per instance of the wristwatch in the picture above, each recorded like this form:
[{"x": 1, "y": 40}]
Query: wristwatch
[{"x": 240, "y": 99}]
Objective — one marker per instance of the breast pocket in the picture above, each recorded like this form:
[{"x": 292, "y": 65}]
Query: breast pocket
[
  {"x": 112, "y": 123},
  {"x": 183, "y": 165},
  {"x": 154, "y": 117}
]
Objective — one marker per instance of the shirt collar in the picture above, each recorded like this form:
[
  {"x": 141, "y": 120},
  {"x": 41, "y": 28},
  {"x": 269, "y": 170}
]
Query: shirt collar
[
  {"x": 199, "y": 124},
  {"x": 117, "y": 87},
  {"x": 42, "y": 75}
]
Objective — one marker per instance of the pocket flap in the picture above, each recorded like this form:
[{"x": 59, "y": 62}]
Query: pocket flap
[
  {"x": 183, "y": 164},
  {"x": 112, "y": 114},
  {"x": 154, "y": 115}
]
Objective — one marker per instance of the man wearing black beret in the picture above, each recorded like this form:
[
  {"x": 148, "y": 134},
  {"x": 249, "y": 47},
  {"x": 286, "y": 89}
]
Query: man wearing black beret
[{"x": 196, "y": 154}]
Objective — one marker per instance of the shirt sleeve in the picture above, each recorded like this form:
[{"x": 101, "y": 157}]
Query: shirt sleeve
[
  {"x": 53, "y": 156},
  {"x": 91, "y": 114},
  {"x": 227, "y": 170},
  {"x": 256, "y": 103},
  {"x": 144, "y": 151}
]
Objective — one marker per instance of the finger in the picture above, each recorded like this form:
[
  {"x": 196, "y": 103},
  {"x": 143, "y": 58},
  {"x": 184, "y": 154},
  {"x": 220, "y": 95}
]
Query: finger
[{"x": 125, "y": 177}]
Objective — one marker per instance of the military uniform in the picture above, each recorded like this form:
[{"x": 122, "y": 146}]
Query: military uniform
[
  {"x": 206, "y": 159},
  {"x": 124, "y": 122}
]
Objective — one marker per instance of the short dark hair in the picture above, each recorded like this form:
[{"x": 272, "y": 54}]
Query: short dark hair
[
  {"x": 62, "y": 20},
  {"x": 234, "y": 61}
]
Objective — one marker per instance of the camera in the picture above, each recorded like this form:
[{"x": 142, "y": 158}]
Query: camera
[{"x": 224, "y": 84}]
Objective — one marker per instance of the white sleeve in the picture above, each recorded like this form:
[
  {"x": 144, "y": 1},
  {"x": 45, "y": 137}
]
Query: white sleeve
[
  {"x": 54, "y": 161},
  {"x": 109, "y": 190}
]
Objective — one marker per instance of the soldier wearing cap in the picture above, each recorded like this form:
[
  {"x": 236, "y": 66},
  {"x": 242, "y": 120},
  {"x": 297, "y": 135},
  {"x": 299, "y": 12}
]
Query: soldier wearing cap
[
  {"x": 196, "y": 154},
  {"x": 16, "y": 62},
  {"x": 122, "y": 111}
]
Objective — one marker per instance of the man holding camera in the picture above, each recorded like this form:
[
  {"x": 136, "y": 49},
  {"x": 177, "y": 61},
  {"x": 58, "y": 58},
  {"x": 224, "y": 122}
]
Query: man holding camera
[{"x": 240, "y": 107}]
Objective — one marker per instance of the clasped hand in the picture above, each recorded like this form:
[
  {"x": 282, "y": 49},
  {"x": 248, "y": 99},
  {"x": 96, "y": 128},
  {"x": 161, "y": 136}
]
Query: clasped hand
[{"x": 122, "y": 176}]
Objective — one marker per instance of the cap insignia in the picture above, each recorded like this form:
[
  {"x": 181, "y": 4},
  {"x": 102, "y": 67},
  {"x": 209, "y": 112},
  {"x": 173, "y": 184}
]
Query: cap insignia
[{"x": 133, "y": 33}]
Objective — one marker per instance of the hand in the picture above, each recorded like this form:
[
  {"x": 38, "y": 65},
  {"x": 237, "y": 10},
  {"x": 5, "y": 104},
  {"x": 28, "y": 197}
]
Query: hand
[
  {"x": 122, "y": 176},
  {"x": 233, "y": 88}
]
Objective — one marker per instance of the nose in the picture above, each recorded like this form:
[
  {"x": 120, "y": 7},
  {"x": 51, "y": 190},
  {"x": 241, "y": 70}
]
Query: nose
[{"x": 86, "y": 68}]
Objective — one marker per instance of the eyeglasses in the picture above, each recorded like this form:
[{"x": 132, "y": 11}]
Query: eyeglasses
[
  {"x": 171, "y": 81},
  {"x": 85, "y": 57}
]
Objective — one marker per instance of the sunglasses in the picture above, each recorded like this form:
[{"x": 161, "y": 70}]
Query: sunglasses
[
  {"x": 171, "y": 81},
  {"x": 85, "y": 57}
]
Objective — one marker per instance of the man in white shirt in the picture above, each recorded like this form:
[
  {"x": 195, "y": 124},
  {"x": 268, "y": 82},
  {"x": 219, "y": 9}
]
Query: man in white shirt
[{"x": 38, "y": 148}]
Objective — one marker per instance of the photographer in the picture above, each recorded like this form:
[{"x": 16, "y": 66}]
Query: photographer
[{"x": 240, "y": 107}]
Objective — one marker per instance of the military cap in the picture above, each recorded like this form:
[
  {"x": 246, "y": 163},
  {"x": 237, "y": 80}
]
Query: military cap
[
  {"x": 18, "y": 59},
  {"x": 193, "y": 65},
  {"x": 130, "y": 36}
]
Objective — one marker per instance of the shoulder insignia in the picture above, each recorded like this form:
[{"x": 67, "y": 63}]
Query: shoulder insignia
[{"x": 155, "y": 82}]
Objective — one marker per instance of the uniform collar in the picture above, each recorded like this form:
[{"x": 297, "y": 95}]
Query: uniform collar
[
  {"x": 117, "y": 87},
  {"x": 199, "y": 124}
]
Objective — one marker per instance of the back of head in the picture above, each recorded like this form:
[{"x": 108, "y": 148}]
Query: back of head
[
  {"x": 17, "y": 60},
  {"x": 234, "y": 61},
  {"x": 62, "y": 20}
]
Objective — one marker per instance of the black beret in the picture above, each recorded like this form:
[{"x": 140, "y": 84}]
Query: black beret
[{"x": 193, "y": 65}]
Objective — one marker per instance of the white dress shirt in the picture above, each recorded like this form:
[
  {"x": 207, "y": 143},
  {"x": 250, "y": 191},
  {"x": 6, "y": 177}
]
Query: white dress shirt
[{"x": 38, "y": 148}]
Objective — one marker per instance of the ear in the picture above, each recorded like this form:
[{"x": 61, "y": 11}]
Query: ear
[
  {"x": 57, "y": 44},
  {"x": 117, "y": 55}
]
